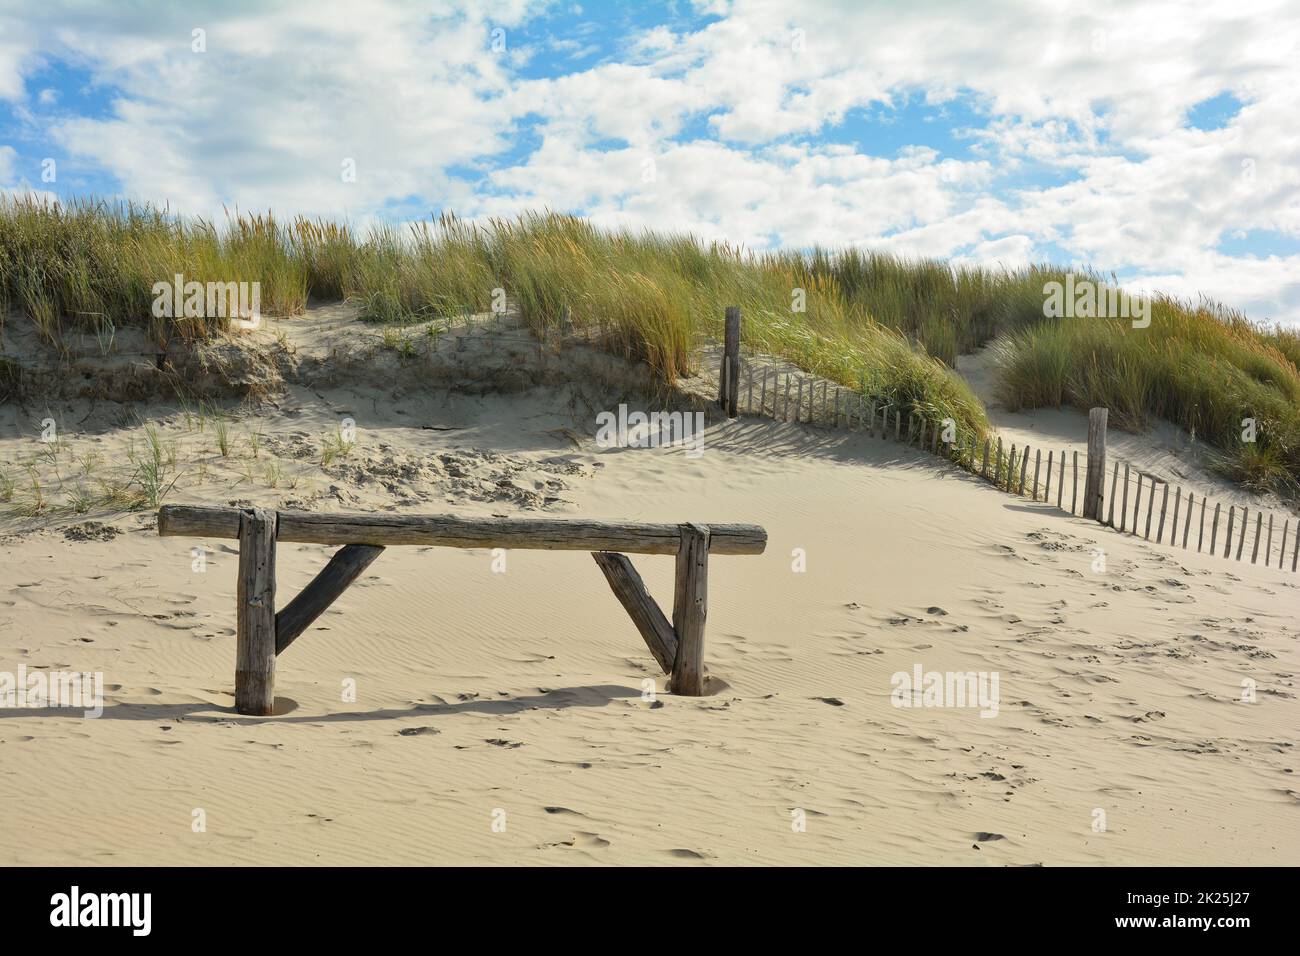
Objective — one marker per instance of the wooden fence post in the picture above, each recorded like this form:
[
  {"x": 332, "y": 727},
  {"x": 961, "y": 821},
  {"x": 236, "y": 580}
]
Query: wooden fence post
[
  {"x": 1245, "y": 520},
  {"x": 255, "y": 614},
  {"x": 1074, "y": 487},
  {"x": 1123, "y": 508},
  {"x": 690, "y": 609},
  {"x": 1164, "y": 505},
  {"x": 1060, "y": 482},
  {"x": 984, "y": 472},
  {"x": 1094, "y": 484},
  {"x": 1232, "y": 510},
  {"x": 1110, "y": 509},
  {"x": 1137, "y": 503},
  {"x": 729, "y": 379}
]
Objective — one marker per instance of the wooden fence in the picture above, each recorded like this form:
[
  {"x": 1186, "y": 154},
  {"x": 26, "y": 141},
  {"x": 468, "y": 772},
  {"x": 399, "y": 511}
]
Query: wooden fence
[
  {"x": 262, "y": 633},
  {"x": 1077, "y": 483}
]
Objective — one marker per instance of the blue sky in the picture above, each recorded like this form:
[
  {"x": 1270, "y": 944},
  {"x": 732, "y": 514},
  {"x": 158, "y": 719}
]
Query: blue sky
[{"x": 1114, "y": 135}]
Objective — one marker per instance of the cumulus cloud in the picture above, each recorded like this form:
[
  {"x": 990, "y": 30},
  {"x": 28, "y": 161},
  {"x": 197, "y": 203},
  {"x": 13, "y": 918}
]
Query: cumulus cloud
[{"x": 1076, "y": 138}]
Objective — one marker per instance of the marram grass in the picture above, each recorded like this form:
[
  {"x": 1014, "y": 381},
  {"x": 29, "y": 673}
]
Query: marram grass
[{"x": 888, "y": 327}]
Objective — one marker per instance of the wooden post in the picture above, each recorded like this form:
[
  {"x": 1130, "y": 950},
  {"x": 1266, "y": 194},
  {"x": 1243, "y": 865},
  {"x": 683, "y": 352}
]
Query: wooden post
[
  {"x": 1123, "y": 508},
  {"x": 1227, "y": 549},
  {"x": 749, "y": 394},
  {"x": 255, "y": 614},
  {"x": 1187, "y": 522},
  {"x": 798, "y": 400},
  {"x": 690, "y": 609},
  {"x": 934, "y": 440},
  {"x": 1151, "y": 507},
  {"x": 997, "y": 465},
  {"x": 762, "y": 396},
  {"x": 1060, "y": 482},
  {"x": 1268, "y": 547},
  {"x": 337, "y": 576},
  {"x": 1245, "y": 519},
  {"x": 984, "y": 472},
  {"x": 1173, "y": 525},
  {"x": 1137, "y": 503},
  {"x": 729, "y": 380},
  {"x": 1281, "y": 555},
  {"x": 1214, "y": 530},
  {"x": 898, "y": 422},
  {"x": 1011, "y": 470},
  {"x": 1295, "y": 555},
  {"x": 1094, "y": 485},
  {"x": 1024, "y": 469},
  {"x": 640, "y": 606},
  {"x": 1074, "y": 486},
  {"x": 871, "y": 429},
  {"x": 1110, "y": 509},
  {"x": 1259, "y": 526},
  {"x": 1164, "y": 504},
  {"x": 1038, "y": 463},
  {"x": 785, "y": 405},
  {"x": 1200, "y": 538}
]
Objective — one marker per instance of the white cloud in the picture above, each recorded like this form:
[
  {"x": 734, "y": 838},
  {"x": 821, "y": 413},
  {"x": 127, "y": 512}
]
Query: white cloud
[{"x": 1096, "y": 99}]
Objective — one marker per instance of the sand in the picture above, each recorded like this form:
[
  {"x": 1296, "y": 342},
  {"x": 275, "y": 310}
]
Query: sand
[{"x": 504, "y": 718}]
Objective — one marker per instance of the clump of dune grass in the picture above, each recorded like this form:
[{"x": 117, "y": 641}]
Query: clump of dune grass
[
  {"x": 889, "y": 328},
  {"x": 1199, "y": 366}
]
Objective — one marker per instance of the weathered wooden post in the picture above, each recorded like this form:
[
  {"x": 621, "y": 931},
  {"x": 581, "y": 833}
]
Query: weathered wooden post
[
  {"x": 1110, "y": 508},
  {"x": 255, "y": 614},
  {"x": 690, "y": 608},
  {"x": 1123, "y": 508},
  {"x": 729, "y": 377},
  {"x": 1094, "y": 482}
]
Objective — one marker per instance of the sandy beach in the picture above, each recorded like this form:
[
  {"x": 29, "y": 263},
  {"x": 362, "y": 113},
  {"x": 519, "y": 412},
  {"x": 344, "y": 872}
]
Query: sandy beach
[{"x": 447, "y": 711}]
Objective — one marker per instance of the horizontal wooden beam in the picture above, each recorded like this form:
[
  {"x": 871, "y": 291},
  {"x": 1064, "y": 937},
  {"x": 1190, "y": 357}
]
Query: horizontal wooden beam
[
  {"x": 335, "y": 578},
  {"x": 546, "y": 534}
]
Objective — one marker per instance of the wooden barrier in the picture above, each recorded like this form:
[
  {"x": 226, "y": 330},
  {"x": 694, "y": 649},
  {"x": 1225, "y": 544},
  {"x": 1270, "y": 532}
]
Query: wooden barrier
[{"x": 261, "y": 633}]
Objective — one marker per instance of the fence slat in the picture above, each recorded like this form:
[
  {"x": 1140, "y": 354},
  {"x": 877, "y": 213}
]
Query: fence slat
[
  {"x": 1123, "y": 510},
  {"x": 1245, "y": 519},
  {"x": 1110, "y": 510},
  {"x": 1151, "y": 507},
  {"x": 1060, "y": 482},
  {"x": 1074, "y": 496},
  {"x": 1164, "y": 504}
]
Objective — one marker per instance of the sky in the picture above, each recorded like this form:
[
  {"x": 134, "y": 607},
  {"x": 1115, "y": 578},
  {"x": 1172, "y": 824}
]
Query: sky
[{"x": 1154, "y": 140}]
